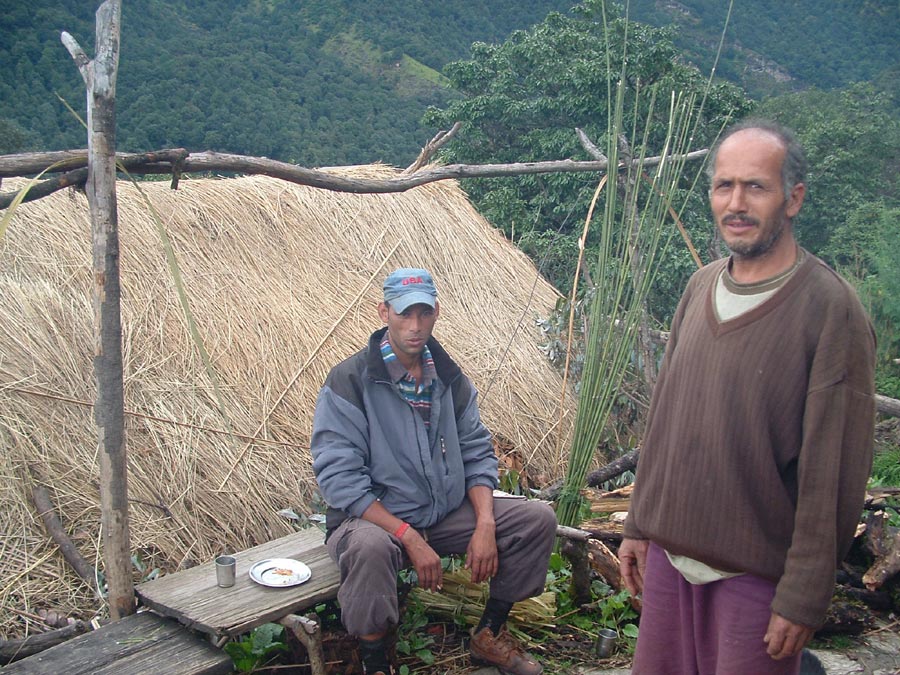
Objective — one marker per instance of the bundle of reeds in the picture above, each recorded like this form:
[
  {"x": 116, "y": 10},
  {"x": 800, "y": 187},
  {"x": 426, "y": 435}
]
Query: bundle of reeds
[{"x": 461, "y": 601}]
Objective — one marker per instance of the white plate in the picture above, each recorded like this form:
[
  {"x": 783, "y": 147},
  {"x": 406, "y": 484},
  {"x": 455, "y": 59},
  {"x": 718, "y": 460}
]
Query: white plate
[{"x": 279, "y": 572}]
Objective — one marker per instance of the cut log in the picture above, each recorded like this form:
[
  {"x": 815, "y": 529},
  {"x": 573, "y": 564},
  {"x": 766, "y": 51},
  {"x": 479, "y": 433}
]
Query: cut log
[
  {"x": 605, "y": 563},
  {"x": 885, "y": 567},
  {"x": 603, "y": 529},
  {"x": 887, "y": 406},
  {"x": 879, "y": 601},
  {"x": 882, "y": 541},
  {"x": 609, "y": 502}
]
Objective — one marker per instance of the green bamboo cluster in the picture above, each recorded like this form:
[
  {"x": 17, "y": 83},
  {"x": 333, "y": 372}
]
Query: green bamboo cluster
[{"x": 635, "y": 229}]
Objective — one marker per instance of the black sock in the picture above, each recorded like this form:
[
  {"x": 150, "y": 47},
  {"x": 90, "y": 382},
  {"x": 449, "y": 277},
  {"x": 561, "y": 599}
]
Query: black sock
[
  {"x": 374, "y": 655},
  {"x": 495, "y": 615}
]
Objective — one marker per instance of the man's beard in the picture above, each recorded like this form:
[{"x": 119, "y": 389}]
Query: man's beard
[{"x": 755, "y": 249}]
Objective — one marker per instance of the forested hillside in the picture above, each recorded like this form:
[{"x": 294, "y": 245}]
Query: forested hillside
[
  {"x": 773, "y": 46},
  {"x": 318, "y": 82},
  {"x": 327, "y": 82}
]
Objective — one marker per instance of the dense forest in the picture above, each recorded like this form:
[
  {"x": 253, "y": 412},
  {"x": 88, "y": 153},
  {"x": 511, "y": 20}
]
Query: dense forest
[
  {"x": 324, "y": 82},
  {"x": 328, "y": 82},
  {"x": 775, "y": 47}
]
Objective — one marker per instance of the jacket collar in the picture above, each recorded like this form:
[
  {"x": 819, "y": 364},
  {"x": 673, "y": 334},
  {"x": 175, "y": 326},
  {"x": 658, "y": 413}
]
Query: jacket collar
[{"x": 447, "y": 370}]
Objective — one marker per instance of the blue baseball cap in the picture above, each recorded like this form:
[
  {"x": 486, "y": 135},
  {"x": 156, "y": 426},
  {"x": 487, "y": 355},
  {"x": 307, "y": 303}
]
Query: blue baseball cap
[{"x": 409, "y": 286}]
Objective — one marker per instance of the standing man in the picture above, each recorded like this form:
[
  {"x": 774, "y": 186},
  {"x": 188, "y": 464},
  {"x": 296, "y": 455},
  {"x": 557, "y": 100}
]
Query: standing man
[
  {"x": 408, "y": 471},
  {"x": 759, "y": 438}
]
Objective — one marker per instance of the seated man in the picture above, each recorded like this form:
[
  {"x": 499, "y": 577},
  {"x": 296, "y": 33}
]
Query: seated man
[{"x": 408, "y": 471}]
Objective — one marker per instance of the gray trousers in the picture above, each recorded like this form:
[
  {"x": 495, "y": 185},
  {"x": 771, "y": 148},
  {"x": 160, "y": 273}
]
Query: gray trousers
[{"x": 369, "y": 559}]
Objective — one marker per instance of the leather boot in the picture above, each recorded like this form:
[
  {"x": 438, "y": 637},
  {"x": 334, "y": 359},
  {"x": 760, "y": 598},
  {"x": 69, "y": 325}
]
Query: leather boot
[{"x": 503, "y": 652}]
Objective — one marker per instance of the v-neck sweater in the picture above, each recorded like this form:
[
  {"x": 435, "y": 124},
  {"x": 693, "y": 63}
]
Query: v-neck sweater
[{"x": 759, "y": 438}]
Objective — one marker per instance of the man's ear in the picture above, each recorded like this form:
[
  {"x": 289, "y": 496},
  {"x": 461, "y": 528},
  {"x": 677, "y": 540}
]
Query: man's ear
[
  {"x": 383, "y": 312},
  {"x": 437, "y": 309},
  {"x": 795, "y": 200}
]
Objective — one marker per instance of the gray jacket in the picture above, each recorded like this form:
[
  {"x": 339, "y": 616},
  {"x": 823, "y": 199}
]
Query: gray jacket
[{"x": 369, "y": 443}]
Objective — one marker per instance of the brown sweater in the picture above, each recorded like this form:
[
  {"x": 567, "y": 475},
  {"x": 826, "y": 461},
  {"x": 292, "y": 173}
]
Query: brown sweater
[{"x": 759, "y": 438}]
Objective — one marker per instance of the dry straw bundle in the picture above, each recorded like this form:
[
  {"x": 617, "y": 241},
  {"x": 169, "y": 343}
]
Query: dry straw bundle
[
  {"x": 462, "y": 601},
  {"x": 283, "y": 281}
]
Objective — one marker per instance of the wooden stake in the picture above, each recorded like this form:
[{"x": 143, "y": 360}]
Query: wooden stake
[{"x": 99, "y": 76}]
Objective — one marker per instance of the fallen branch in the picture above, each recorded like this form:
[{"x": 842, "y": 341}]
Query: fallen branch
[
  {"x": 176, "y": 162},
  {"x": 44, "y": 507},
  {"x": 12, "y": 650},
  {"x": 627, "y": 462}
]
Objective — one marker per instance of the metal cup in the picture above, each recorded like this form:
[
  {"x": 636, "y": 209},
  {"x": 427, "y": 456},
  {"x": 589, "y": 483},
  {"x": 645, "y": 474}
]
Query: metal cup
[
  {"x": 225, "y": 567},
  {"x": 606, "y": 642}
]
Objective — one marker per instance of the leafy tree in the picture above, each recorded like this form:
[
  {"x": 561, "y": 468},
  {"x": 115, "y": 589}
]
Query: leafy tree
[
  {"x": 13, "y": 138},
  {"x": 852, "y": 142},
  {"x": 864, "y": 250},
  {"x": 523, "y": 99}
]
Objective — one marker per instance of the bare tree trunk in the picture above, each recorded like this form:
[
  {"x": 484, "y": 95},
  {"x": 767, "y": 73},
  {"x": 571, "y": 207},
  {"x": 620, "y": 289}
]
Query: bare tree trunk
[{"x": 100, "y": 77}]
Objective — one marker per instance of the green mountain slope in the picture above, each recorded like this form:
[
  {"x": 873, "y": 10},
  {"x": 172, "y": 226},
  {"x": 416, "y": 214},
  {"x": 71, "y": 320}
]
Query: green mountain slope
[
  {"x": 774, "y": 46},
  {"x": 319, "y": 82},
  {"x": 326, "y": 82}
]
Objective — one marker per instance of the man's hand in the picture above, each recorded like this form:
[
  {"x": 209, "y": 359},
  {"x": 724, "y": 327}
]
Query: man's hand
[
  {"x": 481, "y": 554},
  {"x": 786, "y": 638},
  {"x": 632, "y": 563},
  {"x": 424, "y": 560}
]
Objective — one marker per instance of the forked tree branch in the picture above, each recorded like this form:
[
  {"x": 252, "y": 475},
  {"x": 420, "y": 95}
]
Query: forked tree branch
[{"x": 179, "y": 161}]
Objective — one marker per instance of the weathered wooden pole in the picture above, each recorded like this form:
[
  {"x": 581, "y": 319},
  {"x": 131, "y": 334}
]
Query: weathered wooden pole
[{"x": 109, "y": 412}]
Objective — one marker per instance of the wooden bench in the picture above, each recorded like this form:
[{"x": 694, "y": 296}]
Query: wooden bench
[
  {"x": 158, "y": 642},
  {"x": 136, "y": 645},
  {"x": 193, "y": 598}
]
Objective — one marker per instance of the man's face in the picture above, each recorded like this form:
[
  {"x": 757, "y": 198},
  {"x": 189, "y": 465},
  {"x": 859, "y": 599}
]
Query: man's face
[
  {"x": 409, "y": 330},
  {"x": 747, "y": 196}
]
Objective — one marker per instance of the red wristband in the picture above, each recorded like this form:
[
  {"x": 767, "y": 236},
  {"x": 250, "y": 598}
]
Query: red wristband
[{"x": 400, "y": 531}]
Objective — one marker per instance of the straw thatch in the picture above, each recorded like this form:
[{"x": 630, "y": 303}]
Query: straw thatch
[{"x": 274, "y": 271}]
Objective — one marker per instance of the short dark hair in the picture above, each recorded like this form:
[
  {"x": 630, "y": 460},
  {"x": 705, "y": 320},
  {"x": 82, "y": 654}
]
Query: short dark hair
[{"x": 793, "y": 168}]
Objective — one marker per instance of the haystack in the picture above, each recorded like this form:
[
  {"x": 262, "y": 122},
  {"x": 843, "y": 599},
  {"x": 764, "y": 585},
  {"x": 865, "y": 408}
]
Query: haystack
[{"x": 283, "y": 282}]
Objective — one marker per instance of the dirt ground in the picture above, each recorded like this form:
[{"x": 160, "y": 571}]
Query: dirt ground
[{"x": 875, "y": 653}]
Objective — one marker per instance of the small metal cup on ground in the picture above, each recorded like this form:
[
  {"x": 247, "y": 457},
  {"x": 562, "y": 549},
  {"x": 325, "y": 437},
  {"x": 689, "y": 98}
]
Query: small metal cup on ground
[
  {"x": 225, "y": 567},
  {"x": 606, "y": 642}
]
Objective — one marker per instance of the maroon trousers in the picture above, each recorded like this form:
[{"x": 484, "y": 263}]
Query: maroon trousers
[
  {"x": 710, "y": 629},
  {"x": 369, "y": 559}
]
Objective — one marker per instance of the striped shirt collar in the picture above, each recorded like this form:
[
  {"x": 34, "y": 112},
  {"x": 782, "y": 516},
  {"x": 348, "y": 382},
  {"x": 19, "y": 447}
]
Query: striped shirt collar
[{"x": 398, "y": 372}]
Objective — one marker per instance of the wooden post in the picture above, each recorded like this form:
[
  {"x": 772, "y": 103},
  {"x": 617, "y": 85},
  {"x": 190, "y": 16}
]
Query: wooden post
[
  {"x": 306, "y": 629},
  {"x": 109, "y": 412}
]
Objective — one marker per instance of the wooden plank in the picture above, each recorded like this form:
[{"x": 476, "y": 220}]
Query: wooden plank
[
  {"x": 138, "y": 644},
  {"x": 193, "y": 597}
]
